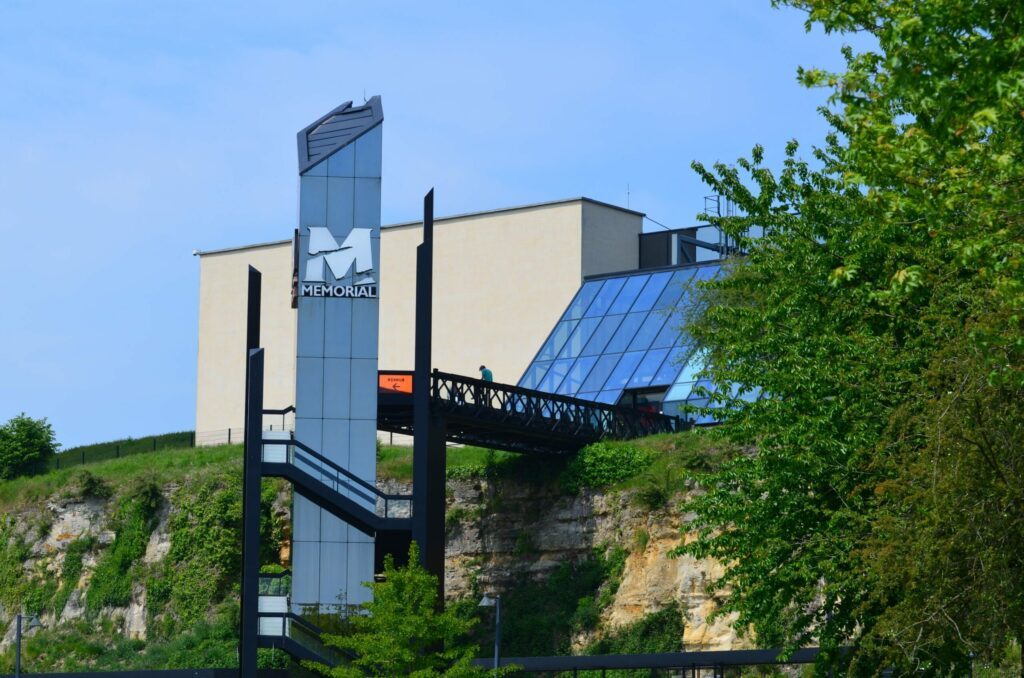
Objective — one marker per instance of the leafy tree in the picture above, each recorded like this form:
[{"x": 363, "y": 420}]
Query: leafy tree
[
  {"x": 401, "y": 633},
  {"x": 881, "y": 316},
  {"x": 26, "y": 445}
]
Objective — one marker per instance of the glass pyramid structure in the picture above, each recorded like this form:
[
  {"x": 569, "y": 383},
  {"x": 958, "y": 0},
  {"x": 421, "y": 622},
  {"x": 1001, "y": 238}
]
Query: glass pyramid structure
[{"x": 620, "y": 341}]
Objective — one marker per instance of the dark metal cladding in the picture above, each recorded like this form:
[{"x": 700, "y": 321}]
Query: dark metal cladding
[{"x": 337, "y": 129}]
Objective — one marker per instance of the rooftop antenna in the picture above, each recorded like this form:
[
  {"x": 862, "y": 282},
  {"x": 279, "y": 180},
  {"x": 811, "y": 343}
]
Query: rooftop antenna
[{"x": 364, "y": 95}]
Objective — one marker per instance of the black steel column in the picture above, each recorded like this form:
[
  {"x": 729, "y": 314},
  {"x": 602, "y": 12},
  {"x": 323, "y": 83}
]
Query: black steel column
[
  {"x": 251, "y": 460},
  {"x": 428, "y": 433},
  {"x": 251, "y": 514}
]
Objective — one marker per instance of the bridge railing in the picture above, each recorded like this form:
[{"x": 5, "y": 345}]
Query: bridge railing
[{"x": 537, "y": 410}]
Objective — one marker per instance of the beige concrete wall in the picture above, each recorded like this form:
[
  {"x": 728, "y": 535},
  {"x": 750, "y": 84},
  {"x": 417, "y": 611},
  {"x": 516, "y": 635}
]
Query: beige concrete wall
[
  {"x": 220, "y": 378},
  {"x": 501, "y": 280},
  {"x": 611, "y": 239}
]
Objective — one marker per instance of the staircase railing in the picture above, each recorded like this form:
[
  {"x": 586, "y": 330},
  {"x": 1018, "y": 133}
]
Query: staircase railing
[{"x": 287, "y": 450}]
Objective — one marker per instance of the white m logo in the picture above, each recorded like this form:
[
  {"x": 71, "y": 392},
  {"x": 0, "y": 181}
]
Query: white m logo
[{"x": 340, "y": 258}]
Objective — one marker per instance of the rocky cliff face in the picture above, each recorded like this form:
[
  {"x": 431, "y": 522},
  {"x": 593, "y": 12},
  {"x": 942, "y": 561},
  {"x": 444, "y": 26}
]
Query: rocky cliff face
[
  {"x": 49, "y": 531},
  {"x": 498, "y": 532}
]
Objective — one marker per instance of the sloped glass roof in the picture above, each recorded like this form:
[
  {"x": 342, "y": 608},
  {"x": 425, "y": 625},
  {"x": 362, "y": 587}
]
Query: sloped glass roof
[{"x": 624, "y": 333}]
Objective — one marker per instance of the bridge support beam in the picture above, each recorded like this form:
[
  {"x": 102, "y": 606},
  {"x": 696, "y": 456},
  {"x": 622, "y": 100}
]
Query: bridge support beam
[
  {"x": 251, "y": 460},
  {"x": 428, "y": 431}
]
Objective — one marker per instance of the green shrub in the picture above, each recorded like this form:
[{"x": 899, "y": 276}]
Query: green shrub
[
  {"x": 111, "y": 583},
  {"x": 660, "y": 631},
  {"x": 657, "y": 488},
  {"x": 85, "y": 485},
  {"x": 203, "y": 566},
  {"x": 71, "y": 571},
  {"x": 540, "y": 617},
  {"x": 13, "y": 554},
  {"x": 26, "y": 446},
  {"x": 603, "y": 464}
]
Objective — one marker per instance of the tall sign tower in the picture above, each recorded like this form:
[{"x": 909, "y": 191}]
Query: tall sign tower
[{"x": 336, "y": 371}]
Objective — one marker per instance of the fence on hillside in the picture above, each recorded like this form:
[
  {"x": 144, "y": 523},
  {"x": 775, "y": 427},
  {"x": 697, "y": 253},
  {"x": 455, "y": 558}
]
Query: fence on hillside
[
  {"x": 274, "y": 420},
  {"x": 90, "y": 454}
]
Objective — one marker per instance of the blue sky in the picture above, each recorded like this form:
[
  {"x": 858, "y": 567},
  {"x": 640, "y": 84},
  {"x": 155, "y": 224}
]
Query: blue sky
[{"x": 134, "y": 132}]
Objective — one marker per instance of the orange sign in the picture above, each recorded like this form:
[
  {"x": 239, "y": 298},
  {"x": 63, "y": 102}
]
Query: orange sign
[{"x": 396, "y": 383}]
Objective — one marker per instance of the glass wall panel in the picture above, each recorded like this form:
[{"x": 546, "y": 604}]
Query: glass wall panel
[
  {"x": 692, "y": 367},
  {"x": 629, "y": 293},
  {"x": 652, "y": 290},
  {"x": 647, "y": 368},
  {"x": 624, "y": 335},
  {"x": 557, "y": 339},
  {"x": 574, "y": 379},
  {"x": 579, "y": 337},
  {"x": 674, "y": 289},
  {"x": 605, "y": 297},
  {"x": 624, "y": 370},
  {"x": 554, "y": 377},
  {"x": 645, "y": 335},
  {"x": 609, "y": 397},
  {"x": 671, "y": 367},
  {"x": 582, "y": 300},
  {"x": 590, "y": 395},
  {"x": 679, "y": 391},
  {"x": 534, "y": 373},
  {"x": 671, "y": 333},
  {"x": 602, "y": 334},
  {"x": 599, "y": 373}
]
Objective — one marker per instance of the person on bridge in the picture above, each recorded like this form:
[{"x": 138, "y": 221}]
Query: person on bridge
[{"x": 486, "y": 374}]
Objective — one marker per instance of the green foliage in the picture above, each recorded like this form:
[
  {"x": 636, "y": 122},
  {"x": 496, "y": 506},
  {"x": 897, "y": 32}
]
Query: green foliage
[
  {"x": 880, "y": 313},
  {"x": 203, "y": 564},
  {"x": 85, "y": 485},
  {"x": 117, "y": 570},
  {"x": 71, "y": 571},
  {"x": 540, "y": 617},
  {"x": 163, "y": 467},
  {"x": 604, "y": 463},
  {"x": 13, "y": 554},
  {"x": 26, "y": 446},
  {"x": 401, "y": 633},
  {"x": 660, "y": 631}
]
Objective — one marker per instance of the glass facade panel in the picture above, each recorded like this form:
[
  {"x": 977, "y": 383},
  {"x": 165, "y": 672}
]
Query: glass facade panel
[
  {"x": 574, "y": 379},
  {"x": 599, "y": 374},
  {"x": 605, "y": 297},
  {"x": 629, "y": 293},
  {"x": 670, "y": 367},
  {"x": 579, "y": 338},
  {"x": 652, "y": 291},
  {"x": 624, "y": 370},
  {"x": 624, "y": 332},
  {"x": 647, "y": 368},
  {"x": 557, "y": 339},
  {"x": 582, "y": 300},
  {"x": 674, "y": 289},
  {"x": 645, "y": 335},
  {"x": 679, "y": 391},
  {"x": 627, "y": 330},
  {"x": 534, "y": 373},
  {"x": 553, "y": 378},
  {"x": 599, "y": 339},
  {"x": 671, "y": 332}
]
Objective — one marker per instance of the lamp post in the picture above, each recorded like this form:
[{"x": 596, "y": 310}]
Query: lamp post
[
  {"x": 494, "y": 602},
  {"x": 32, "y": 624}
]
